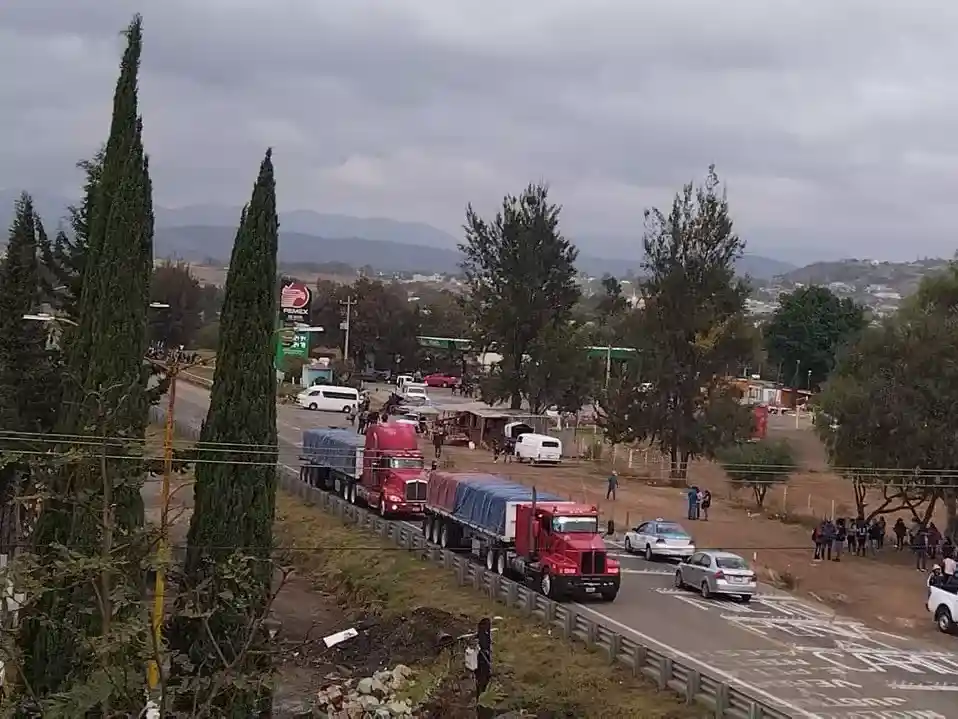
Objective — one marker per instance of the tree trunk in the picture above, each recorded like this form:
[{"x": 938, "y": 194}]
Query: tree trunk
[{"x": 951, "y": 514}]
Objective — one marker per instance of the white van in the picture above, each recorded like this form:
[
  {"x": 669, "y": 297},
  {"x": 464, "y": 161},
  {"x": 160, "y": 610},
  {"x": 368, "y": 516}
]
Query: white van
[
  {"x": 327, "y": 398},
  {"x": 538, "y": 448},
  {"x": 402, "y": 380}
]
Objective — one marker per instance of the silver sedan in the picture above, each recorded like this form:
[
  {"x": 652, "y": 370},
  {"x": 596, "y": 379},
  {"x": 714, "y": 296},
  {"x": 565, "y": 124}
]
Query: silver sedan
[{"x": 717, "y": 573}]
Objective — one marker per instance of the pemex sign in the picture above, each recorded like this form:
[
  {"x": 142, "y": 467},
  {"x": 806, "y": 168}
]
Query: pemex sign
[{"x": 294, "y": 302}]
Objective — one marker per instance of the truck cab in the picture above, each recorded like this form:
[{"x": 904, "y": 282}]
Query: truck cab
[
  {"x": 563, "y": 540},
  {"x": 393, "y": 478},
  {"x": 943, "y": 603}
]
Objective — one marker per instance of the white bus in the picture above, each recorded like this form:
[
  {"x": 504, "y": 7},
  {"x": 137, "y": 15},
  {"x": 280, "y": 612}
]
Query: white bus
[{"x": 327, "y": 398}]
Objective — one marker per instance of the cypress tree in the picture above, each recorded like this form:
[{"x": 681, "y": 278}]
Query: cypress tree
[
  {"x": 235, "y": 499},
  {"x": 103, "y": 369},
  {"x": 28, "y": 396}
]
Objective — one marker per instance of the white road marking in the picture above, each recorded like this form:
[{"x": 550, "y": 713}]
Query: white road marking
[
  {"x": 654, "y": 572},
  {"x": 908, "y": 687}
]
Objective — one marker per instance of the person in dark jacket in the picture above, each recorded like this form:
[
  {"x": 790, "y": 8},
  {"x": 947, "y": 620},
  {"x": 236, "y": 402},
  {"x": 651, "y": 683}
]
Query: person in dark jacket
[{"x": 899, "y": 530}]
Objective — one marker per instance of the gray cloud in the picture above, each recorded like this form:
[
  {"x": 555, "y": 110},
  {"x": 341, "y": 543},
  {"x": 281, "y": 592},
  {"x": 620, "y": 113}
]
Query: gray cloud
[{"x": 832, "y": 123}]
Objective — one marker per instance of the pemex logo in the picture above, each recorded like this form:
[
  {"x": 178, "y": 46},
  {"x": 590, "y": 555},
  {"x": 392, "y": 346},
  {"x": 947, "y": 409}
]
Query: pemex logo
[{"x": 295, "y": 296}]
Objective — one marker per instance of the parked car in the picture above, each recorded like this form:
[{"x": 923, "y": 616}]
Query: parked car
[
  {"x": 439, "y": 379},
  {"x": 660, "y": 538},
  {"x": 717, "y": 573}
]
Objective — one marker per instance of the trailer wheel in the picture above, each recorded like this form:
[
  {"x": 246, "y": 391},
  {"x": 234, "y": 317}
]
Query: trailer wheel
[
  {"x": 434, "y": 531},
  {"x": 304, "y": 475},
  {"x": 425, "y": 527},
  {"x": 444, "y": 536},
  {"x": 491, "y": 560},
  {"x": 501, "y": 563}
]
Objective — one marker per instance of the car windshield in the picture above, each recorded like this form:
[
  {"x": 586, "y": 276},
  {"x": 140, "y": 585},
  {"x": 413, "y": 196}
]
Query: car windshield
[
  {"x": 575, "y": 525},
  {"x": 405, "y": 463},
  {"x": 730, "y": 563},
  {"x": 670, "y": 529}
]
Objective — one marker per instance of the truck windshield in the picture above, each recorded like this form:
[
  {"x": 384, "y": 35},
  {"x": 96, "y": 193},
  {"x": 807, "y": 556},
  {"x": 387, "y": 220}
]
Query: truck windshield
[
  {"x": 575, "y": 525},
  {"x": 405, "y": 463}
]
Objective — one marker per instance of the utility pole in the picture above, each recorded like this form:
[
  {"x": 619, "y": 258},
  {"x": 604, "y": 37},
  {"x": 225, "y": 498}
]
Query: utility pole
[{"x": 345, "y": 326}]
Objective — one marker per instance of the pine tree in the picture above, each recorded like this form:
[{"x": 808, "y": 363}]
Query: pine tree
[
  {"x": 234, "y": 501},
  {"x": 103, "y": 368}
]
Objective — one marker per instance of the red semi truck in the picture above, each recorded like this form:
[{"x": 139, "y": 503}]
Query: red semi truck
[
  {"x": 383, "y": 469},
  {"x": 542, "y": 539}
]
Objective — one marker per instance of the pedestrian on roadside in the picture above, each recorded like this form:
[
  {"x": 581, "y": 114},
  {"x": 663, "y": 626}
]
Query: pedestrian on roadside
[
  {"x": 919, "y": 544},
  {"x": 899, "y": 530},
  {"x": 612, "y": 485},
  {"x": 693, "y": 497},
  {"x": 438, "y": 435},
  {"x": 841, "y": 534},
  {"x": 705, "y": 504}
]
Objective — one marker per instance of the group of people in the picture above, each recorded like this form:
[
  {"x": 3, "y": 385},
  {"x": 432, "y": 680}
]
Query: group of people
[
  {"x": 832, "y": 538},
  {"x": 926, "y": 543},
  {"x": 700, "y": 501},
  {"x": 862, "y": 537}
]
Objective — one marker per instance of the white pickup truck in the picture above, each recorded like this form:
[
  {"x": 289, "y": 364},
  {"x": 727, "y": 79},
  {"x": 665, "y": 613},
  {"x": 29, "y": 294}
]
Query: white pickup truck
[{"x": 943, "y": 605}]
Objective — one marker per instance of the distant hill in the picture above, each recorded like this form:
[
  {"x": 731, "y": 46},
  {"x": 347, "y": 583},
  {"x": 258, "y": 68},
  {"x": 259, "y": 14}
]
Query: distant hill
[
  {"x": 198, "y": 243},
  {"x": 202, "y": 231}
]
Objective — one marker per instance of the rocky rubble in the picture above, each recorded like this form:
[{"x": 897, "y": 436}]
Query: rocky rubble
[{"x": 373, "y": 697}]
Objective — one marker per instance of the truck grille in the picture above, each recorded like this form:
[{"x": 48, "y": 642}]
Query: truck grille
[
  {"x": 593, "y": 562},
  {"x": 415, "y": 491}
]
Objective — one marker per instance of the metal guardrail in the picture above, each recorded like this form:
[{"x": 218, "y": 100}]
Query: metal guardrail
[
  {"x": 724, "y": 700},
  {"x": 195, "y": 379}
]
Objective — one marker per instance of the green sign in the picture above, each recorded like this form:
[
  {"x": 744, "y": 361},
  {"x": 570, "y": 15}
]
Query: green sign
[
  {"x": 445, "y": 343},
  {"x": 291, "y": 343}
]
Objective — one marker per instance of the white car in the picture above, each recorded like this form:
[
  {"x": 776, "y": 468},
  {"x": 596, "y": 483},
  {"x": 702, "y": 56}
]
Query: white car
[
  {"x": 415, "y": 392},
  {"x": 660, "y": 538},
  {"x": 943, "y": 605}
]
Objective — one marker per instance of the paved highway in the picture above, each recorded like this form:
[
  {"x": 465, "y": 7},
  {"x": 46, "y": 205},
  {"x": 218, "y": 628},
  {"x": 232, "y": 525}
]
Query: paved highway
[{"x": 804, "y": 658}]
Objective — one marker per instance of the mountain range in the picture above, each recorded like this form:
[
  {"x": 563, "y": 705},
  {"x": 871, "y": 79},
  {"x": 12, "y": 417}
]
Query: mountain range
[{"x": 201, "y": 232}]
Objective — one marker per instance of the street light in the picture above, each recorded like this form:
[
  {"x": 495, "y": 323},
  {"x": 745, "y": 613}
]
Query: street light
[{"x": 45, "y": 317}]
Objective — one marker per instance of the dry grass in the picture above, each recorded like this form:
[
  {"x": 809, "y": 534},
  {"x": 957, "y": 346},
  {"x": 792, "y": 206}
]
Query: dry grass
[{"x": 533, "y": 668}]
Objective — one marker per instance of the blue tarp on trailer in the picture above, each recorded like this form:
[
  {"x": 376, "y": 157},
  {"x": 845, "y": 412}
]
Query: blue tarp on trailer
[
  {"x": 481, "y": 499},
  {"x": 337, "y": 449}
]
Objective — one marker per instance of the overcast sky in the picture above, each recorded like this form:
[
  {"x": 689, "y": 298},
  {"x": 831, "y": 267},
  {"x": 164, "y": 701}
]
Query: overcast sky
[{"x": 834, "y": 123}]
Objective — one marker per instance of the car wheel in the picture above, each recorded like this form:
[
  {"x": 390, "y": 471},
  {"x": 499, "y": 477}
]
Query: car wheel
[
  {"x": 382, "y": 508},
  {"x": 313, "y": 406},
  {"x": 628, "y": 542},
  {"x": 706, "y": 592},
  {"x": 648, "y": 553},
  {"x": 346, "y": 409},
  {"x": 679, "y": 584},
  {"x": 745, "y": 598},
  {"x": 943, "y": 619}
]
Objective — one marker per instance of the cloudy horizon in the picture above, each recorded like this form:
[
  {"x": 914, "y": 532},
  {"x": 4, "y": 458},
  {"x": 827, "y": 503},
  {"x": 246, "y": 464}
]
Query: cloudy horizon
[{"x": 831, "y": 124}]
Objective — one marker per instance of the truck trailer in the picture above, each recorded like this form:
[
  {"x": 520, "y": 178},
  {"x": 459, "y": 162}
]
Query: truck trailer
[
  {"x": 382, "y": 469},
  {"x": 539, "y": 538}
]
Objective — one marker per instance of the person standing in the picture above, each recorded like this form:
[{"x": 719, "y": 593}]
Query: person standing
[
  {"x": 948, "y": 566},
  {"x": 919, "y": 545},
  {"x": 705, "y": 504},
  {"x": 438, "y": 435},
  {"x": 899, "y": 530},
  {"x": 611, "y": 485},
  {"x": 693, "y": 497}
]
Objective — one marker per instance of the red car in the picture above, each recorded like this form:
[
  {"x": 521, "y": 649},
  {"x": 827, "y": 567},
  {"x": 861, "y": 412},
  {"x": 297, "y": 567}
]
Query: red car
[{"x": 440, "y": 380}]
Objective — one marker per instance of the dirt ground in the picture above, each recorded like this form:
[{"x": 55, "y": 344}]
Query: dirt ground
[{"x": 885, "y": 591}]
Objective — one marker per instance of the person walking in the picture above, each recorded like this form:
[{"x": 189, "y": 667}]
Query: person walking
[
  {"x": 611, "y": 485},
  {"x": 438, "y": 435}
]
